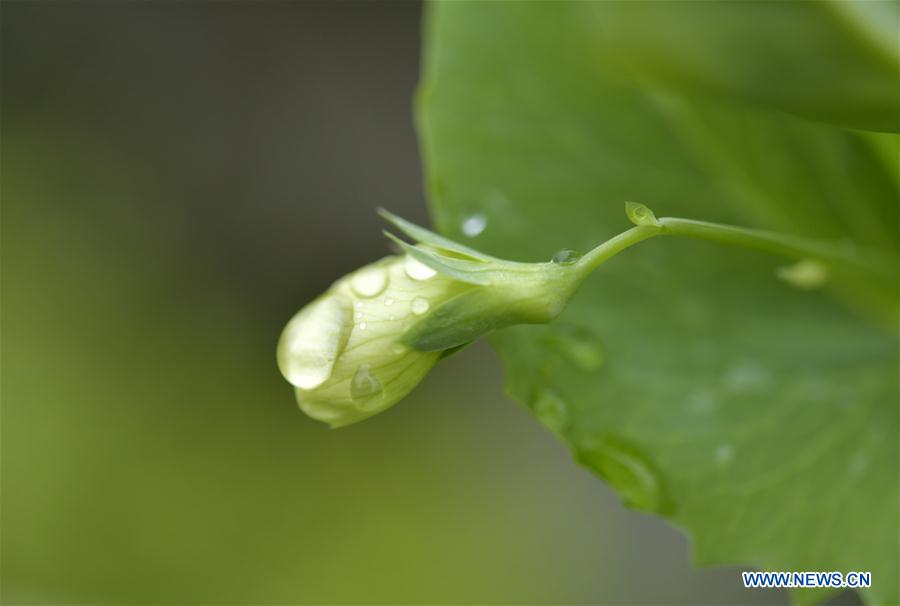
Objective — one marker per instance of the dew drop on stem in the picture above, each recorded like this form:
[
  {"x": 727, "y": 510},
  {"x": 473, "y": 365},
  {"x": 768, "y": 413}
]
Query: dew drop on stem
[{"x": 566, "y": 257}]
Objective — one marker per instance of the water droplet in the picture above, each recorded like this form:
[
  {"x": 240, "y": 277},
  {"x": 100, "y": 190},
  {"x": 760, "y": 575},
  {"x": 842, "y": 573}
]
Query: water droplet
[
  {"x": 392, "y": 317},
  {"x": 701, "y": 402},
  {"x": 474, "y": 224},
  {"x": 419, "y": 306},
  {"x": 640, "y": 214},
  {"x": 724, "y": 454},
  {"x": 359, "y": 305},
  {"x": 388, "y": 301},
  {"x": 552, "y": 410},
  {"x": 566, "y": 257},
  {"x": 398, "y": 349},
  {"x": 358, "y": 316},
  {"x": 369, "y": 281},
  {"x": 578, "y": 345},
  {"x": 313, "y": 340},
  {"x": 857, "y": 464},
  {"x": 629, "y": 472},
  {"x": 417, "y": 270},
  {"x": 746, "y": 376},
  {"x": 364, "y": 384},
  {"x": 362, "y": 325},
  {"x": 806, "y": 274}
]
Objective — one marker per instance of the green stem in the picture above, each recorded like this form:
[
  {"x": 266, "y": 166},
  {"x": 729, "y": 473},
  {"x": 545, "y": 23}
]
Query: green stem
[
  {"x": 788, "y": 246},
  {"x": 779, "y": 244},
  {"x": 597, "y": 256}
]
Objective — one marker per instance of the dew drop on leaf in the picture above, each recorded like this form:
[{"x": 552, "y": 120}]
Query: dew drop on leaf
[
  {"x": 474, "y": 224},
  {"x": 369, "y": 281},
  {"x": 419, "y": 306},
  {"x": 701, "y": 402},
  {"x": 388, "y": 301},
  {"x": 313, "y": 340},
  {"x": 807, "y": 274},
  {"x": 552, "y": 410},
  {"x": 417, "y": 270},
  {"x": 857, "y": 464},
  {"x": 746, "y": 376},
  {"x": 364, "y": 384},
  {"x": 566, "y": 257},
  {"x": 724, "y": 454},
  {"x": 629, "y": 472},
  {"x": 579, "y": 346}
]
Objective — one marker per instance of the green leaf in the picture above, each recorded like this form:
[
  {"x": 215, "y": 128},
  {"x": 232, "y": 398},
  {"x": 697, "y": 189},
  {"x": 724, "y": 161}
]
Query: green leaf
[
  {"x": 837, "y": 61},
  {"x": 760, "y": 417}
]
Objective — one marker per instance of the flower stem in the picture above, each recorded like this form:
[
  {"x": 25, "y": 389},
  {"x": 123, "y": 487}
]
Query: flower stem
[
  {"x": 781, "y": 244},
  {"x": 599, "y": 255}
]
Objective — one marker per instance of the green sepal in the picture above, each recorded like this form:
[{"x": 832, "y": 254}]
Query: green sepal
[
  {"x": 456, "y": 322},
  {"x": 428, "y": 237},
  {"x": 453, "y": 350},
  {"x": 453, "y": 268},
  {"x": 522, "y": 298}
]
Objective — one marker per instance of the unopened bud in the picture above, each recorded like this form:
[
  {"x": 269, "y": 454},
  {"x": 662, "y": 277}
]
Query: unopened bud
[{"x": 373, "y": 336}]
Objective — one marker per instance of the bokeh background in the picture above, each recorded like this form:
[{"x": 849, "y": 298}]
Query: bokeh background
[{"x": 178, "y": 178}]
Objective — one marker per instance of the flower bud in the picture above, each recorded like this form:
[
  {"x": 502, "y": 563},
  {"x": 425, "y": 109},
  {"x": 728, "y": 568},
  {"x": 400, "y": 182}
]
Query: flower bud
[
  {"x": 368, "y": 341},
  {"x": 344, "y": 353}
]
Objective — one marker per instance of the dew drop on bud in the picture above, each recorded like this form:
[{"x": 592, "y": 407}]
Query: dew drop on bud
[
  {"x": 566, "y": 257},
  {"x": 313, "y": 340},
  {"x": 474, "y": 224},
  {"x": 419, "y": 306},
  {"x": 364, "y": 384},
  {"x": 417, "y": 270},
  {"x": 639, "y": 214},
  {"x": 369, "y": 281}
]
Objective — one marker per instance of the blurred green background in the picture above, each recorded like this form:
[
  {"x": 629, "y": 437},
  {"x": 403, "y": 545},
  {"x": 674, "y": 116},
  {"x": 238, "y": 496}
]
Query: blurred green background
[{"x": 178, "y": 179}]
